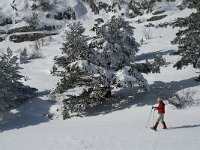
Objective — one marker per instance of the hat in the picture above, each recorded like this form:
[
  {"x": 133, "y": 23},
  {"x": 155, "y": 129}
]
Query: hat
[{"x": 159, "y": 99}]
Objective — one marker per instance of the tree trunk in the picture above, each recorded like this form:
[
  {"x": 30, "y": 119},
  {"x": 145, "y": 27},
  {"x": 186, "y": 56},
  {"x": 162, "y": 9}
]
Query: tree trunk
[{"x": 108, "y": 94}]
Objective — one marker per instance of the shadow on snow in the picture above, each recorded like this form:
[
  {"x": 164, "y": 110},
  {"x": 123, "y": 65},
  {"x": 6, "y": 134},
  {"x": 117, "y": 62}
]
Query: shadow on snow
[
  {"x": 185, "y": 127},
  {"x": 151, "y": 55},
  {"x": 162, "y": 89},
  {"x": 33, "y": 112}
]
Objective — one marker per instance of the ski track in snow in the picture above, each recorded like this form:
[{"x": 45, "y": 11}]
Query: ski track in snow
[{"x": 122, "y": 127}]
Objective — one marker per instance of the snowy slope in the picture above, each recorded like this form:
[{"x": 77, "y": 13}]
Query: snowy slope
[
  {"x": 116, "y": 127},
  {"x": 121, "y": 130}
]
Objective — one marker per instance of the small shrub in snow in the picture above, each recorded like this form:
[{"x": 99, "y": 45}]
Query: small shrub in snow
[
  {"x": 147, "y": 33},
  {"x": 23, "y": 57},
  {"x": 163, "y": 25},
  {"x": 142, "y": 41},
  {"x": 50, "y": 39},
  {"x": 44, "y": 42},
  {"x": 149, "y": 25},
  {"x": 182, "y": 99},
  {"x": 36, "y": 51}
]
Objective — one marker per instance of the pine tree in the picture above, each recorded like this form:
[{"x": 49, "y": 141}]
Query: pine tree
[
  {"x": 107, "y": 62},
  {"x": 188, "y": 38},
  {"x": 12, "y": 91},
  {"x": 74, "y": 65},
  {"x": 117, "y": 48},
  {"x": 184, "y": 4},
  {"x": 45, "y": 5},
  {"x": 75, "y": 68},
  {"x": 135, "y": 7}
]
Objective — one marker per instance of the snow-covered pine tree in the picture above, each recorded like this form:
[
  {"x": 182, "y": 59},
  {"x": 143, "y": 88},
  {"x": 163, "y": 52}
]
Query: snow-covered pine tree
[
  {"x": 135, "y": 7},
  {"x": 188, "y": 39},
  {"x": 12, "y": 91},
  {"x": 116, "y": 45},
  {"x": 138, "y": 7},
  {"x": 183, "y": 5},
  {"x": 45, "y": 5},
  {"x": 107, "y": 62},
  {"x": 73, "y": 65}
]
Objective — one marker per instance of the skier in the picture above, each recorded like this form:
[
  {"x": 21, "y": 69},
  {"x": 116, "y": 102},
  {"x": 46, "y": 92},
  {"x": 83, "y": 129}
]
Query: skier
[{"x": 161, "y": 112}]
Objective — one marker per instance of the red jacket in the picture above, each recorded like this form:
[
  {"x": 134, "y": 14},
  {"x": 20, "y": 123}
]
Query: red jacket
[{"x": 161, "y": 108}]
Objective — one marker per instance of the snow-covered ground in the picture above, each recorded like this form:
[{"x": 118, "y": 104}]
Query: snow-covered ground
[
  {"x": 113, "y": 127},
  {"x": 120, "y": 130}
]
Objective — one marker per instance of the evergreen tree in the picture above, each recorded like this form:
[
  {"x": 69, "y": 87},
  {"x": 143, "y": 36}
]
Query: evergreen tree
[
  {"x": 188, "y": 38},
  {"x": 12, "y": 91},
  {"x": 45, "y": 5},
  {"x": 75, "y": 68},
  {"x": 107, "y": 62},
  {"x": 73, "y": 65},
  {"x": 184, "y": 4},
  {"x": 116, "y": 49},
  {"x": 135, "y": 7}
]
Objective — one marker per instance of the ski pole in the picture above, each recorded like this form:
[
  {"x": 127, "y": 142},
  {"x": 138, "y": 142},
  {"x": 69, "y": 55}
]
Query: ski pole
[
  {"x": 153, "y": 116},
  {"x": 149, "y": 119}
]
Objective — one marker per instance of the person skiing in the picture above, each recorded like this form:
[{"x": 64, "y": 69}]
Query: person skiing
[{"x": 161, "y": 113}]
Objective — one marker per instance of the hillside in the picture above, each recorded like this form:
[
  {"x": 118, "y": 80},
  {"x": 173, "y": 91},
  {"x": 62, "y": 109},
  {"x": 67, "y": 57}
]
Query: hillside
[{"x": 112, "y": 126}]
